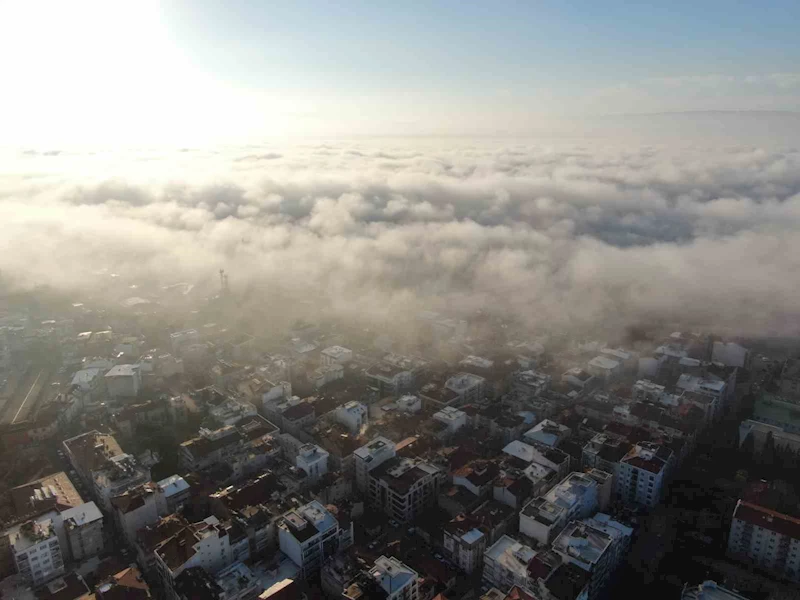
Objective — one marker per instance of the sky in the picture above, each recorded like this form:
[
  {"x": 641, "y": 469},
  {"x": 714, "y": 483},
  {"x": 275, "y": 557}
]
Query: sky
[
  {"x": 183, "y": 71},
  {"x": 577, "y": 166}
]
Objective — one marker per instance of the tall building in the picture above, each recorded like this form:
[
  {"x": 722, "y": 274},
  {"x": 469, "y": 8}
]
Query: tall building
[
  {"x": 597, "y": 545},
  {"x": 505, "y": 564},
  {"x": 404, "y": 487},
  {"x": 767, "y": 538},
  {"x": 577, "y": 496},
  {"x": 84, "y": 528},
  {"x": 368, "y": 457},
  {"x": 353, "y": 415},
  {"x": 642, "y": 474},
  {"x": 313, "y": 461},
  {"x": 36, "y": 551},
  {"x": 207, "y": 544},
  {"x": 396, "y": 579},
  {"x": 310, "y": 534}
]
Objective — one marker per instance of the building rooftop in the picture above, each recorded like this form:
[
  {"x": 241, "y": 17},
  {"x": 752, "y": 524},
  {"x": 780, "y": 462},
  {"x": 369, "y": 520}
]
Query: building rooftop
[
  {"x": 92, "y": 450},
  {"x": 709, "y": 590},
  {"x": 81, "y": 515},
  {"x": 767, "y": 519},
  {"x": 391, "y": 574},
  {"x": 174, "y": 484},
  {"x": 122, "y": 371},
  {"x": 307, "y": 521},
  {"x": 402, "y": 473},
  {"x": 68, "y": 587},
  {"x": 236, "y": 579},
  {"x": 23, "y": 536},
  {"x": 54, "y": 491},
  {"x": 298, "y": 411},
  {"x": 544, "y": 511},
  {"x": 570, "y": 490},
  {"x": 336, "y": 352},
  {"x": 449, "y": 414},
  {"x": 462, "y": 382},
  {"x": 603, "y": 362},
  {"x": 512, "y": 555},
  {"x": 567, "y": 581},
  {"x": 374, "y": 447},
  {"x": 648, "y": 456},
  {"x": 583, "y": 543}
]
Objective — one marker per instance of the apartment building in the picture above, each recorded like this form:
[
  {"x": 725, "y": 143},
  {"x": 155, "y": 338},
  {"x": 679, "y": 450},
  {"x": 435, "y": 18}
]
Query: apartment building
[
  {"x": 505, "y": 564},
  {"x": 642, "y": 474},
  {"x": 395, "y": 579},
  {"x": 404, "y": 487},
  {"x": 369, "y": 457},
  {"x": 597, "y": 545},
  {"x": 83, "y": 526},
  {"x": 310, "y": 534},
  {"x": 207, "y": 544},
  {"x": 766, "y": 538},
  {"x": 353, "y": 415},
  {"x": 36, "y": 550},
  {"x": 577, "y": 496}
]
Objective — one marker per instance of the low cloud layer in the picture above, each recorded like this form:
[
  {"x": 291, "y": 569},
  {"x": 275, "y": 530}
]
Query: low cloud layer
[{"x": 582, "y": 238}]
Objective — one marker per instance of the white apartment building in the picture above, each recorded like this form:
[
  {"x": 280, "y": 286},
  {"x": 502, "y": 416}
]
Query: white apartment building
[
  {"x": 232, "y": 411},
  {"x": 409, "y": 403},
  {"x": 577, "y": 377},
  {"x": 576, "y": 497},
  {"x": 403, "y": 488},
  {"x": 353, "y": 415},
  {"x": 123, "y": 381},
  {"x": 529, "y": 383},
  {"x": 604, "y": 367},
  {"x": 505, "y": 564},
  {"x": 174, "y": 491},
  {"x": 597, "y": 545},
  {"x": 206, "y": 544},
  {"x": 368, "y": 457},
  {"x": 767, "y": 538},
  {"x": 309, "y": 535},
  {"x": 548, "y": 433},
  {"x": 84, "y": 530},
  {"x": 135, "y": 509},
  {"x": 336, "y": 355},
  {"x": 451, "y": 417},
  {"x": 642, "y": 474},
  {"x": 468, "y": 387},
  {"x": 396, "y": 579},
  {"x": 36, "y": 551},
  {"x": 313, "y": 461},
  {"x": 326, "y": 374},
  {"x": 120, "y": 474},
  {"x": 551, "y": 458}
]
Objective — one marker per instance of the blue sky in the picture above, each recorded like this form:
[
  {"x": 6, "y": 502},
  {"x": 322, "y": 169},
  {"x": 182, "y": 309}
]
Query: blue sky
[{"x": 307, "y": 66}]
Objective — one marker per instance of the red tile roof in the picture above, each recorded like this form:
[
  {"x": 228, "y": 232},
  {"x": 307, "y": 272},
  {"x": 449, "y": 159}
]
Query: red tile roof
[{"x": 767, "y": 519}]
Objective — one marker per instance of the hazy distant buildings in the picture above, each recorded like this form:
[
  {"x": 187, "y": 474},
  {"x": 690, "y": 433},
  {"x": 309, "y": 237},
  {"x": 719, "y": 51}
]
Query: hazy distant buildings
[{"x": 123, "y": 381}]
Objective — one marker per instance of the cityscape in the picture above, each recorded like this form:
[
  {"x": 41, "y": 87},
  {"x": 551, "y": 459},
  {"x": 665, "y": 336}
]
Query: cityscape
[{"x": 195, "y": 460}]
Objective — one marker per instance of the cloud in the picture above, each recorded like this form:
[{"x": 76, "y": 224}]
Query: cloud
[{"x": 561, "y": 238}]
